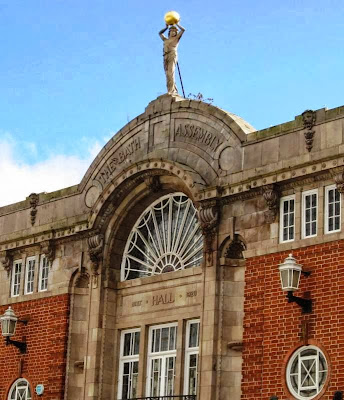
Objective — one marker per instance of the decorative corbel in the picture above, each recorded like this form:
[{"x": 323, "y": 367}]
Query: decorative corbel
[
  {"x": 33, "y": 204},
  {"x": 153, "y": 183},
  {"x": 48, "y": 248},
  {"x": 308, "y": 119},
  {"x": 95, "y": 251},
  {"x": 271, "y": 196},
  {"x": 338, "y": 177},
  {"x": 6, "y": 261},
  {"x": 236, "y": 346},
  {"x": 209, "y": 218}
]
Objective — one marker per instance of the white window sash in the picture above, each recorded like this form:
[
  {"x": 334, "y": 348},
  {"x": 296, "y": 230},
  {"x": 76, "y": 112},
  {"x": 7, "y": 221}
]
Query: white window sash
[
  {"x": 306, "y": 194},
  {"x": 189, "y": 351},
  {"x": 282, "y": 201},
  {"x": 16, "y": 278},
  {"x": 43, "y": 273},
  {"x": 327, "y": 205},
  {"x": 163, "y": 356},
  {"x": 30, "y": 283},
  {"x": 125, "y": 359}
]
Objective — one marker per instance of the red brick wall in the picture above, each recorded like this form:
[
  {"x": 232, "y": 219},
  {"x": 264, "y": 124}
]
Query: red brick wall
[
  {"x": 272, "y": 326},
  {"x": 46, "y": 337}
]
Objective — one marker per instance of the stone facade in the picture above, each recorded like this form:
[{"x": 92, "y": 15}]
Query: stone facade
[{"x": 235, "y": 177}]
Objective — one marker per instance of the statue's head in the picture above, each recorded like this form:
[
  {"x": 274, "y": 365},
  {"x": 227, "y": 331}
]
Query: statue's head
[{"x": 173, "y": 31}]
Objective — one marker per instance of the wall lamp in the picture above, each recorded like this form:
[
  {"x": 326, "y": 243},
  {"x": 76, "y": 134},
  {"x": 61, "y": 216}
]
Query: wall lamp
[
  {"x": 290, "y": 273},
  {"x": 8, "y": 328}
]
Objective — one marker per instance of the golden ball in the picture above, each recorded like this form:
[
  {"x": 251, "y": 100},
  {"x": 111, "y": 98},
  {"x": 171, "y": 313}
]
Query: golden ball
[{"x": 172, "y": 17}]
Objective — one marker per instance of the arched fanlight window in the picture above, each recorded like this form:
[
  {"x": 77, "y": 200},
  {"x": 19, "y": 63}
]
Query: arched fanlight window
[
  {"x": 167, "y": 237},
  {"x": 20, "y": 390}
]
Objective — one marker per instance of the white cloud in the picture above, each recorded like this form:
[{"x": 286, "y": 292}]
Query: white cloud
[{"x": 19, "y": 179}]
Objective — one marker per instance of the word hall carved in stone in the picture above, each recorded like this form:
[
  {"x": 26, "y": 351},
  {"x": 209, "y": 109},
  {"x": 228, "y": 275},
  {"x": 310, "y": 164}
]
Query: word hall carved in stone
[
  {"x": 163, "y": 299},
  {"x": 121, "y": 154},
  {"x": 198, "y": 134}
]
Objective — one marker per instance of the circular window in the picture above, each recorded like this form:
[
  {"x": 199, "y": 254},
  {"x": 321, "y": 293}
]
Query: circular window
[
  {"x": 307, "y": 372},
  {"x": 167, "y": 237},
  {"x": 20, "y": 390}
]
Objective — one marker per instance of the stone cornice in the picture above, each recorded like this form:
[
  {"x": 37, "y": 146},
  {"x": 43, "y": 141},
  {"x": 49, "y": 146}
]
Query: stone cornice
[{"x": 285, "y": 178}]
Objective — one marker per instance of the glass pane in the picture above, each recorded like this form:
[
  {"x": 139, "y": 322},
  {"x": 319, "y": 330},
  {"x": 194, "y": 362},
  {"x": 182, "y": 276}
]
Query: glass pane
[
  {"x": 172, "y": 338},
  {"x": 137, "y": 343},
  {"x": 127, "y": 342},
  {"x": 193, "y": 338},
  {"x": 164, "y": 339}
]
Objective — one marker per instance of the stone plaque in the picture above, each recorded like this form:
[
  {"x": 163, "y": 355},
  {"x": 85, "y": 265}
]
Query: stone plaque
[{"x": 161, "y": 299}]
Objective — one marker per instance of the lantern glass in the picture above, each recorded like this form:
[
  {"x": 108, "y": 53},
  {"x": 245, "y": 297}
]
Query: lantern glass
[
  {"x": 8, "y": 323},
  {"x": 290, "y": 273}
]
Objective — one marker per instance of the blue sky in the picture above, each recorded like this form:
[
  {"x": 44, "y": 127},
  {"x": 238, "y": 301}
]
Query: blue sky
[{"x": 73, "y": 72}]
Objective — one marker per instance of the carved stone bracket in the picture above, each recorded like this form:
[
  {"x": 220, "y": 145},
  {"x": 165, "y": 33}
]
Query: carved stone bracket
[
  {"x": 308, "y": 119},
  {"x": 33, "y": 204},
  {"x": 153, "y": 183},
  {"x": 95, "y": 251},
  {"x": 209, "y": 218},
  {"x": 338, "y": 177},
  {"x": 236, "y": 346},
  {"x": 48, "y": 248},
  {"x": 6, "y": 261},
  {"x": 271, "y": 196}
]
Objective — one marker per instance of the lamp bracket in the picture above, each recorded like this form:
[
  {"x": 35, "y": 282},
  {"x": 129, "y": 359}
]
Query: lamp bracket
[
  {"x": 21, "y": 345},
  {"x": 306, "y": 273},
  {"x": 305, "y": 304}
]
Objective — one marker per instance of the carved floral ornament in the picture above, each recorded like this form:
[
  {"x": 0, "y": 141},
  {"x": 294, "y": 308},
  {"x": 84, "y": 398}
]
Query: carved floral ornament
[
  {"x": 271, "y": 196},
  {"x": 308, "y": 119},
  {"x": 6, "y": 260},
  {"x": 338, "y": 177},
  {"x": 48, "y": 248},
  {"x": 95, "y": 251},
  {"x": 209, "y": 218}
]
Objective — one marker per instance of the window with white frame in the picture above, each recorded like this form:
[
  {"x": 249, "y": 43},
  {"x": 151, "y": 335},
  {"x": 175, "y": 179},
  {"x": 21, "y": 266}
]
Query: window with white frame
[
  {"x": 129, "y": 364},
  {"x": 20, "y": 390},
  {"x": 161, "y": 360},
  {"x": 191, "y": 357},
  {"x": 30, "y": 274},
  {"x": 309, "y": 213},
  {"x": 306, "y": 372},
  {"x": 16, "y": 278},
  {"x": 332, "y": 209},
  {"x": 287, "y": 219},
  {"x": 43, "y": 273}
]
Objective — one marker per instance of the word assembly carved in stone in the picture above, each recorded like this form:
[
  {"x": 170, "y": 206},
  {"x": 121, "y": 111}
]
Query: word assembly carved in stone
[
  {"x": 120, "y": 155},
  {"x": 199, "y": 135}
]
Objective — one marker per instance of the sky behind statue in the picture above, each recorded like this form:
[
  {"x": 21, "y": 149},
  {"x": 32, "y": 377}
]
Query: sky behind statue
[{"x": 72, "y": 73}]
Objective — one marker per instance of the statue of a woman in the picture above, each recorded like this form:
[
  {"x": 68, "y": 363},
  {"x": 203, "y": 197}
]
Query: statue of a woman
[{"x": 170, "y": 54}]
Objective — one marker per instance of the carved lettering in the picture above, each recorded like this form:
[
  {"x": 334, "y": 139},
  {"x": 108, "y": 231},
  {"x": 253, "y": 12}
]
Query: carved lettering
[
  {"x": 136, "y": 303},
  {"x": 118, "y": 158},
  {"x": 162, "y": 299},
  {"x": 199, "y": 135},
  {"x": 191, "y": 294}
]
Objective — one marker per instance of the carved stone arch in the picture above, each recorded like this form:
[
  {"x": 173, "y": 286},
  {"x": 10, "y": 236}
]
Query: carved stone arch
[
  {"x": 129, "y": 199},
  {"x": 187, "y": 132},
  {"x": 151, "y": 174}
]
